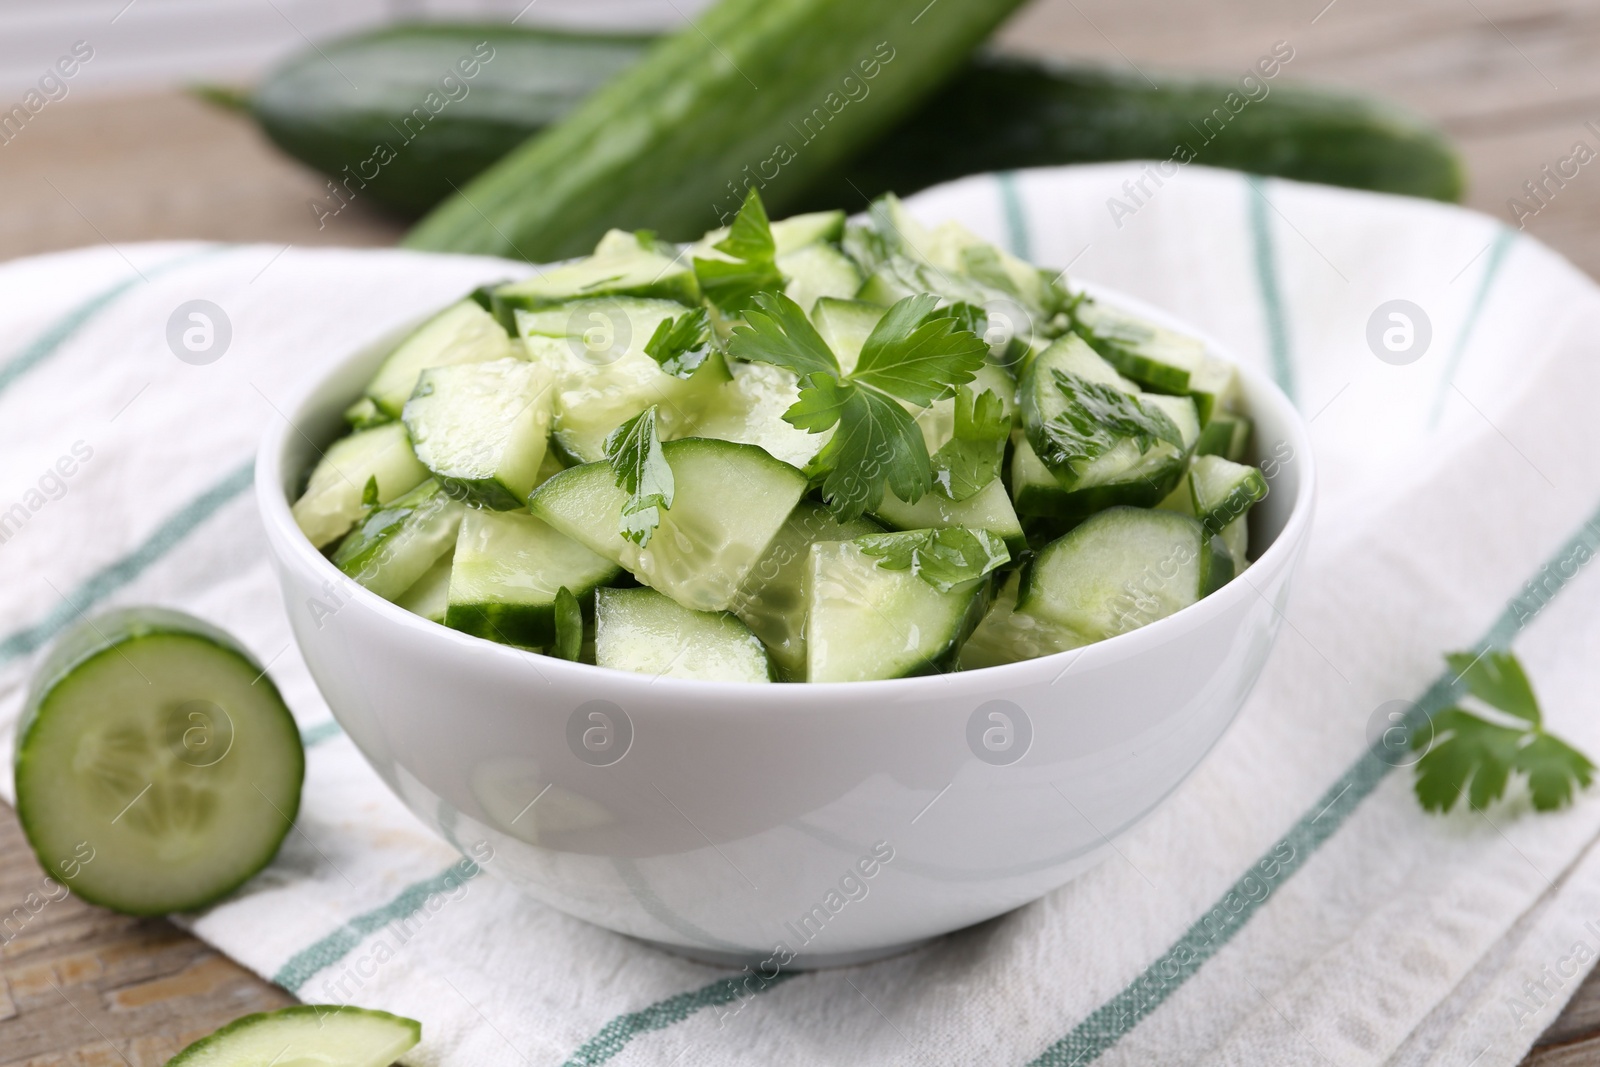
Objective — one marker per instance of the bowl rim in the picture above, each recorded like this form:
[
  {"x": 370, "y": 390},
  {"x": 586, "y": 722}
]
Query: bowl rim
[{"x": 288, "y": 543}]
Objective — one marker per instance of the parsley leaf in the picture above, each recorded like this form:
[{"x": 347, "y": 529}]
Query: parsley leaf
[
  {"x": 779, "y": 333},
  {"x": 1096, "y": 416},
  {"x": 919, "y": 354},
  {"x": 730, "y": 284},
  {"x": 642, "y": 472},
  {"x": 1468, "y": 753},
  {"x": 876, "y": 440},
  {"x": 971, "y": 459},
  {"x": 682, "y": 344},
  {"x": 823, "y": 399},
  {"x": 944, "y": 558},
  {"x": 569, "y": 626}
]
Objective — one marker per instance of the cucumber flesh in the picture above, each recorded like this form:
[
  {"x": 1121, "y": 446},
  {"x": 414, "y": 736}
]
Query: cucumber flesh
[
  {"x": 865, "y": 621},
  {"x": 620, "y": 270},
  {"x": 1223, "y": 491},
  {"x": 1006, "y": 635},
  {"x": 798, "y": 231},
  {"x": 1120, "y": 477},
  {"x": 1215, "y": 388},
  {"x": 1225, "y": 435},
  {"x": 157, "y": 768},
  {"x": 429, "y": 596},
  {"x": 332, "y": 502},
  {"x": 730, "y": 501},
  {"x": 643, "y": 631},
  {"x": 818, "y": 270},
  {"x": 1236, "y": 537},
  {"x": 508, "y": 568},
  {"x": 482, "y": 428},
  {"x": 1183, "y": 413},
  {"x": 772, "y": 600},
  {"x": 990, "y": 509},
  {"x": 306, "y": 1035},
  {"x": 461, "y": 333},
  {"x": 845, "y": 325},
  {"x": 1157, "y": 358},
  {"x": 1123, "y": 568},
  {"x": 749, "y": 408},
  {"x": 396, "y": 545}
]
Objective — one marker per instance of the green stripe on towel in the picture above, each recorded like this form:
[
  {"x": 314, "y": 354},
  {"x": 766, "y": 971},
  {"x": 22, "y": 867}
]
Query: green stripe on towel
[
  {"x": 616, "y": 1034},
  {"x": 1272, "y": 306},
  {"x": 1016, "y": 215},
  {"x": 1491, "y": 271}
]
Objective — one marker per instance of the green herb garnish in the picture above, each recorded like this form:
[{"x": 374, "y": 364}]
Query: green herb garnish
[
  {"x": 971, "y": 459},
  {"x": 642, "y": 472},
  {"x": 944, "y": 558},
  {"x": 569, "y": 626},
  {"x": 1096, "y": 417},
  {"x": 754, "y": 267},
  {"x": 369, "y": 493},
  {"x": 682, "y": 344}
]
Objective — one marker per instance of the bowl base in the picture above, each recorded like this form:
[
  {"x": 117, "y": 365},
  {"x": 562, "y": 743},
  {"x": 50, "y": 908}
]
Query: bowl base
[{"x": 810, "y": 961}]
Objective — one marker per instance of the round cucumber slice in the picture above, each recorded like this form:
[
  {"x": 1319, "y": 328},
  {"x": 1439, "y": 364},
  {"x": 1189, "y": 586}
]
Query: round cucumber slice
[
  {"x": 305, "y": 1035},
  {"x": 157, "y": 767}
]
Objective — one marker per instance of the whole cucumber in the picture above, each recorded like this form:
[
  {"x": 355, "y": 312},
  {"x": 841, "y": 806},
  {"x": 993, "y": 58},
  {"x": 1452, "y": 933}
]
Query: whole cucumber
[{"x": 778, "y": 92}]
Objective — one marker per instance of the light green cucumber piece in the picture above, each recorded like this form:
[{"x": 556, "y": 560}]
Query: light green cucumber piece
[
  {"x": 1123, "y": 476},
  {"x": 508, "y": 568},
  {"x": 772, "y": 599},
  {"x": 1223, "y": 491},
  {"x": 461, "y": 333},
  {"x": 396, "y": 545},
  {"x": 601, "y": 328},
  {"x": 798, "y": 231},
  {"x": 621, "y": 267},
  {"x": 990, "y": 509},
  {"x": 482, "y": 428},
  {"x": 157, "y": 768},
  {"x": 1183, "y": 413},
  {"x": 1225, "y": 435},
  {"x": 429, "y": 596},
  {"x": 332, "y": 501},
  {"x": 845, "y": 325},
  {"x": 641, "y": 630},
  {"x": 818, "y": 270},
  {"x": 1215, "y": 388},
  {"x": 364, "y": 414},
  {"x": 749, "y": 408},
  {"x": 1123, "y": 568},
  {"x": 1157, "y": 358},
  {"x": 951, "y": 246},
  {"x": 1006, "y": 635},
  {"x": 1236, "y": 536},
  {"x": 306, "y": 1035},
  {"x": 865, "y": 622},
  {"x": 730, "y": 501}
]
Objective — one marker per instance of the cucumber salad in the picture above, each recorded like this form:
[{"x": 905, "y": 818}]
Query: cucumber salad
[{"x": 808, "y": 450}]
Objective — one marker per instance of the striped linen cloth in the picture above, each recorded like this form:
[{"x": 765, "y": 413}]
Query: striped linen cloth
[{"x": 1290, "y": 904}]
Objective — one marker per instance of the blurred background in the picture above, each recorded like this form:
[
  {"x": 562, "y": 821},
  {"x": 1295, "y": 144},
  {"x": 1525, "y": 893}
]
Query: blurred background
[{"x": 130, "y": 154}]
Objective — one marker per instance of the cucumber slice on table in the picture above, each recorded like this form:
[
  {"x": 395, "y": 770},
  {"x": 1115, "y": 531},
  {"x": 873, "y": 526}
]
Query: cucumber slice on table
[
  {"x": 397, "y": 544},
  {"x": 643, "y": 631},
  {"x": 482, "y": 428},
  {"x": 461, "y": 333},
  {"x": 1157, "y": 358},
  {"x": 429, "y": 596},
  {"x": 730, "y": 501},
  {"x": 508, "y": 568},
  {"x": 865, "y": 621},
  {"x": 306, "y": 1035},
  {"x": 332, "y": 502},
  {"x": 772, "y": 600},
  {"x": 157, "y": 768},
  {"x": 1123, "y": 568}
]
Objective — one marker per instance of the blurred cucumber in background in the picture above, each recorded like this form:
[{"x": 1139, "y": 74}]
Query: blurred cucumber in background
[{"x": 505, "y": 131}]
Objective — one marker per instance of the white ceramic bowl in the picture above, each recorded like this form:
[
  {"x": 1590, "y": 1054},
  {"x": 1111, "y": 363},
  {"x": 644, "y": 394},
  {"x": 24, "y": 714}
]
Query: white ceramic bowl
[{"x": 783, "y": 824}]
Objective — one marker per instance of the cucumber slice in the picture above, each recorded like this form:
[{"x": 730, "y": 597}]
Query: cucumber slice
[
  {"x": 750, "y": 408},
  {"x": 157, "y": 768},
  {"x": 818, "y": 270},
  {"x": 642, "y": 631},
  {"x": 306, "y": 1035},
  {"x": 1236, "y": 536},
  {"x": 1157, "y": 358},
  {"x": 845, "y": 325},
  {"x": 482, "y": 428},
  {"x": 772, "y": 599},
  {"x": 1227, "y": 436},
  {"x": 617, "y": 269},
  {"x": 508, "y": 568},
  {"x": 798, "y": 231},
  {"x": 429, "y": 596},
  {"x": 601, "y": 328},
  {"x": 865, "y": 621},
  {"x": 1183, "y": 413},
  {"x": 1122, "y": 477},
  {"x": 1123, "y": 568},
  {"x": 1223, "y": 491},
  {"x": 731, "y": 500},
  {"x": 332, "y": 502},
  {"x": 396, "y": 545},
  {"x": 1008, "y": 636},
  {"x": 461, "y": 333},
  {"x": 990, "y": 509},
  {"x": 1215, "y": 388},
  {"x": 364, "y": 414}
]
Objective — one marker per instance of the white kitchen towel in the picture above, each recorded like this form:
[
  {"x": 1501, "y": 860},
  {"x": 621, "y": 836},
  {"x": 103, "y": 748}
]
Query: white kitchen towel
[{"x": 1289, "y": 904}]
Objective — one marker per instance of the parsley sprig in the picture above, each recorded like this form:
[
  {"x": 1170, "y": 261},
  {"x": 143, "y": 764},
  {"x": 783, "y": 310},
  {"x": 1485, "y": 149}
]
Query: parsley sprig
[
  {"x": 944, "y": 558},
  {"x": 1476, "y": 755},
  {"x": 971, "y": 459},
  {"x": 643, "y": 472},
  {"x": 753, "y": 268},
  {"x": 917, "y": 354},
  {"x": 682, "y": 344}
]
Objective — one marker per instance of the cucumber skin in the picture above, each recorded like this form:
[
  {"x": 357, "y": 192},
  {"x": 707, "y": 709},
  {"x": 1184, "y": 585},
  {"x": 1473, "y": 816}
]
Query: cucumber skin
[
  {"x": 659, "y": 146},
  {"x": 195, "y": 1053}
]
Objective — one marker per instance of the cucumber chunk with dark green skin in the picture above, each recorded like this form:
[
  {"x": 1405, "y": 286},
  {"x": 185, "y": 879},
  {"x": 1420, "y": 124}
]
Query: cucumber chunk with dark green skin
[
  {"x": 395, "y": 545},
  {"x": 157, "y": 768},
  {"x": 324, "y": 1035}
]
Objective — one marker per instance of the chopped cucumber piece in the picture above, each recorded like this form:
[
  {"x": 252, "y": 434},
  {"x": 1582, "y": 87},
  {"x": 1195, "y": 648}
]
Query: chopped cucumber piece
[
  {"x": 1227, "y": 436},
  {"x": 482, "y": 428},
  {"x": 157, "y": 768},
  {"x": 602, "y": 328},
  {"x": 845, "y": 325},
  {"x": 396, "y": 545},
  {"x": 1008, "y": 636},
  {"x": 865, "y": 621},
  {"x": 1215, "y": 388},
  {"x": 798, "y": 231},
  {"x": 306, "y": 1035},
  {"x": 1223, "y": 491},
  {"x": 1181, "y": 410},
  {"x": 989, "y": 510},
  {"x": 508, "y": 568},
  {"x": 750, "y": 408},
  {"x": 1236, "y": 536},
  {"x": 730, "y": 501},
  {"x": 772, "y": 599},
  {"x": 429, "y": 596},
  {"x": 1123, "y": 568},
  {"x": 953, "y": 247},
  {"x": 461, "y": 333},
  {"x": 818, "y": 270},
  {"x": 1123, "y": 478},
  {"x": 364, "y": 414},
  {"x": 332, "y": 502},
  {"x": 642, "y": 631},
  {"x": 1072, "y": 355},
  {"x": 621, "y": 268},
  {"x": 1157, "y": 358}
]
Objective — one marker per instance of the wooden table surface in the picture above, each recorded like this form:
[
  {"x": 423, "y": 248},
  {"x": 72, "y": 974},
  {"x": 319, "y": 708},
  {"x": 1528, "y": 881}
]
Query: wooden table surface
[{"x": 1513, "y": 80}]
